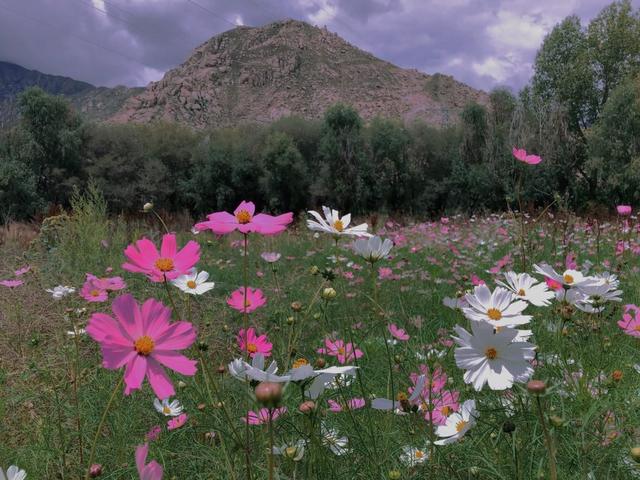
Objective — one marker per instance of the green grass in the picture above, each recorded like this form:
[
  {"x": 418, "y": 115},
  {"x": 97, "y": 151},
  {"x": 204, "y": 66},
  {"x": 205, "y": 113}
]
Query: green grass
[{"x": 38, "y": 360}]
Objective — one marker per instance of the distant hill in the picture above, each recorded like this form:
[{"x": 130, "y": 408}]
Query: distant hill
[
  {"x": 259, "y": 74},
  {"x": 94, "y": 102}
]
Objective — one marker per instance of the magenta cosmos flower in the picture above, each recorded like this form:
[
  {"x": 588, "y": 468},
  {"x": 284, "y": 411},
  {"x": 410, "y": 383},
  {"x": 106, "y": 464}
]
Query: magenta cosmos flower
[
  {"x": 248, "y": 341},
  {"x": 262, "y": 416},
  {"x": 107, "y": 283},
  {"x": 522, "y": 155},
  {"x": 93, "y": 294},
  {"x": 142, "y": 340},
  {"x": 245, "y": 221},
  {"x": 246, "y": 304},
  {"x": 343, "y": 352},
  {"x": 151, "y": 471},
  {"x": 177, "y": 422},
  {"x": 11, "y": 283},
  {"x": 168, "y": 264},
  {"x": 351, "y": 404},
  {"x": 624, "y": 210},
  {"x": 398, "y": 333}
]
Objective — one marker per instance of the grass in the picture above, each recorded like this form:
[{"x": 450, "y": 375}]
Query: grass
[{"x": 48, "y": 381}]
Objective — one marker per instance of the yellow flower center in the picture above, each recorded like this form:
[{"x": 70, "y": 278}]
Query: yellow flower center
[
  {"x": 144, "y": 345},
  {"x": 252, "y": 348},
  {"x": 491, "y": 353},
  {"x": 164, "y": 264},
  {"x": 494, "y": 314},
  {"x": 341, "y": 351},
  {"x": 243, "y": 216},
  {"x": 300, "y": 362},
  {"x": 401, "y": 396},
  {"x": 637, "y": 328},
  {"x": 521, "y": 292},
  {"x": 338, "y": 225},
  {"x": 166, "y": 410},
  {"x": 460, "y": 425},
  {"x": 419, "y": 454},
  {"x": 568, "y": 278},
  {"x": 446, "y": 410},
  {"x": 290, "y": 452},
  {"x": 191, "y": 284},
  {"x": 95, "y": 293}
]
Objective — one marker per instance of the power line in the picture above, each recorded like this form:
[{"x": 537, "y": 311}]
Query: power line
[
  {"x": 104, "y": 12},
  {"x": 65, "y": 31},
  {"x": 211, "y": 12}
]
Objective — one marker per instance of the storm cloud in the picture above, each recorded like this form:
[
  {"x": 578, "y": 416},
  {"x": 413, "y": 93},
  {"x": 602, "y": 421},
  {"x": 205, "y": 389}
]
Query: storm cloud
[{"x": 485, "y": 43}]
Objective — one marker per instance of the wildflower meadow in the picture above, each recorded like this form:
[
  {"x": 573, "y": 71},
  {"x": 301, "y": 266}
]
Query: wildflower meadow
[{"x": 246, "y": 345}]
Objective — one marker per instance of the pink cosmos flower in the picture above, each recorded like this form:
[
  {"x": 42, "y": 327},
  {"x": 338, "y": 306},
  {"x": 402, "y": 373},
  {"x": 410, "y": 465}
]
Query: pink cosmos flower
[
  {"x": 434, "y": 381},
  {"x": 254, "y": 299},
  {"x": 263, "y": 415},
  {"x": 253, "y": 344},
  {"x": 107, "y": 283},
  {"x": 398, "y": 333},
  {"x": 11, "y": 283},
  {"x": 22, "y": 271},
  {"x": 570, "y": 261},
  {"x": 624, "y": 209},
  {"x": 152, "y": 471},
  {"x": 552, "y": 284},
  {"x": 142, "y": 340},
  {"x": 630, "y": 322},
  {"x": 351, "y": 404},
  {"x": 444, "y": 404},
  {"x": 270, "y": 257},
  {"x": 384, "y": 273},
  {"x": 93, "y": 294},
  {"x": 343, "y": 352},
  {"x": 521, "y": 154},
  {"x": 153, "y": 434},
  {"x": 245, "y": 221},
  {"x": 168, "y": 264},
  {"x": 177, "y": 422}
]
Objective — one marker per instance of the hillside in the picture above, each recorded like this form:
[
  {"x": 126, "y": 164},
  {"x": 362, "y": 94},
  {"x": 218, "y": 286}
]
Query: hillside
[{"x": 258, "y": 74}]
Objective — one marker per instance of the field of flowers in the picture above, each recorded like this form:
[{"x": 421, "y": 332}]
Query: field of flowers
[{"x": 248, "y": 346}]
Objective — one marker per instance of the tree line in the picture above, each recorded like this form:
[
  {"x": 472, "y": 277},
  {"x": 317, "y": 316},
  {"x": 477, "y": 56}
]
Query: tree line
[{"x": 580, "y": 112}]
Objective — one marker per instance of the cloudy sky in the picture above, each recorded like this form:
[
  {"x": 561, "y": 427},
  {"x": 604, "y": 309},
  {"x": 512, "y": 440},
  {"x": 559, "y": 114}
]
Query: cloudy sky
[{"x": 484, "y": 43}]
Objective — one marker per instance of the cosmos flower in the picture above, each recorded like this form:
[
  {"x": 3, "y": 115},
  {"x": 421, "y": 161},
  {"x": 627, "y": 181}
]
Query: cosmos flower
[
  {"x": 13, "y": 473},
  {"x": 527, "y": 288},
  {"x": 177, "y": 422},
  {"x": 351, "y": 404},
  {"x": 21, "y": 271},
  {"x": 11, "y": 283},
  {"x": 252, "y": 343},
  {"x": 245, "y": 221},
  {"x": 568, "y": 279},
  {"x": 457, "y": 424},
  {"x": 194, "y": 282},
  {"x": 143, "y": 340},
  {"x": 335, "y": 225},
  {"x": 253, "y": 299},
  {"x": 344, "y": 352},
  {"x": 93, "y": 294},
  {"x": 263, "y": 415},
  {"x": 168, "y": 408},
  {"x": 630, "y": 322},
  {"x": 332, "y": 439},
  {"x": 150, "y": 471},
  {"x": 497, "y": 308},
  {"x": 292, "y": 451},
  {"x": 373, "y": 248},
  {"x": 168, "y": 264},
  {"x": 412, "y": 456},
  {"x": 398, "y": 333},
  {"x": 493, "y": 358},
  {"x": 60, "y": 291},
  {"x": 624, "y": 210},
  {"x": 522, "y": 155},
  {"x": 270, "y": 257},
  {"x": 111, "y": 284}
]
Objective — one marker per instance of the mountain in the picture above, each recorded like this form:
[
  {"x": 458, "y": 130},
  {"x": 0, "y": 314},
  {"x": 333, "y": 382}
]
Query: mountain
[
  {"x": 258, "y": 74},
  {"x": 97, "y": 103}
]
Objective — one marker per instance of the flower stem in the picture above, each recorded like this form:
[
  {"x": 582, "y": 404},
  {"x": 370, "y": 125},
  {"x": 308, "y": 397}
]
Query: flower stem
[
  {"x": 245, "y": 324},
  {"x": 271, "y": 465},
  {"x": 553, "y": 474},
  {"x": 104, "y": 417}
]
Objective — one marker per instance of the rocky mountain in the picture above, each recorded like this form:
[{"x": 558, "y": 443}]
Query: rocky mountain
[
  {"x": 97, "y": 103},
  {"x": 258, "y": 74}
]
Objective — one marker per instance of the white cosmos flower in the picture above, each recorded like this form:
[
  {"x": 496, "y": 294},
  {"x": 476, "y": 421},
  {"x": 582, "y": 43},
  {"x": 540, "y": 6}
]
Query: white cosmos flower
[
  {"x": 13, "y": 473},
  {"x": 497, "y": 308},
  {"x": 373, "y": 248},
  {"x": 167, "y": 408},
  {"x": 292, "y": 451},
  {"x": 457, "y": 424},
  {"x": 332, "y": 439},
  {"x": 244, "y": 371},
  {"x": 193, "y": 282},
  {"x": 455, "y": 303},
  {"x": 525, "y": 287},
  {"x": 335, "y": 225},
  {"x": 594, "y": 301},
  {"x": 270, "y": 257},
  {"x": 60, "y": 291},
  {"x": 493, "y": 358},
  {"x": 412, "y": 456},
  {"x": 400, "y": 405},
  {"x": 569, "y": 278}
]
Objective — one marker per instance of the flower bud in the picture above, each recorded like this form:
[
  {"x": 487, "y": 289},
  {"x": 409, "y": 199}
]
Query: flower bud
[
  {"x": 222, "y": 369},
  {"x": 181, "y": 384},
  {"x": 394, "y": 475},
  {"x": 329, "y": 293},
  {"x": 508, "y": 427},
  {"x": 617, "y": 375},
  {"x": 269, "y": 393},
  {"x": 556, "y": 421},
  {"x": 307, "y": 407},
  {"x": 147, "y": 207},
  {"x": 320, "y": 362},
  {"x": 536, "y": 387},
  {"x": 290, "y": 320},
  {"x": 635, "y": 454},
  {"x": 95, "y": 470},
  {"x": 296, "y": 306},
  {"x": 314, "y": 270}
]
